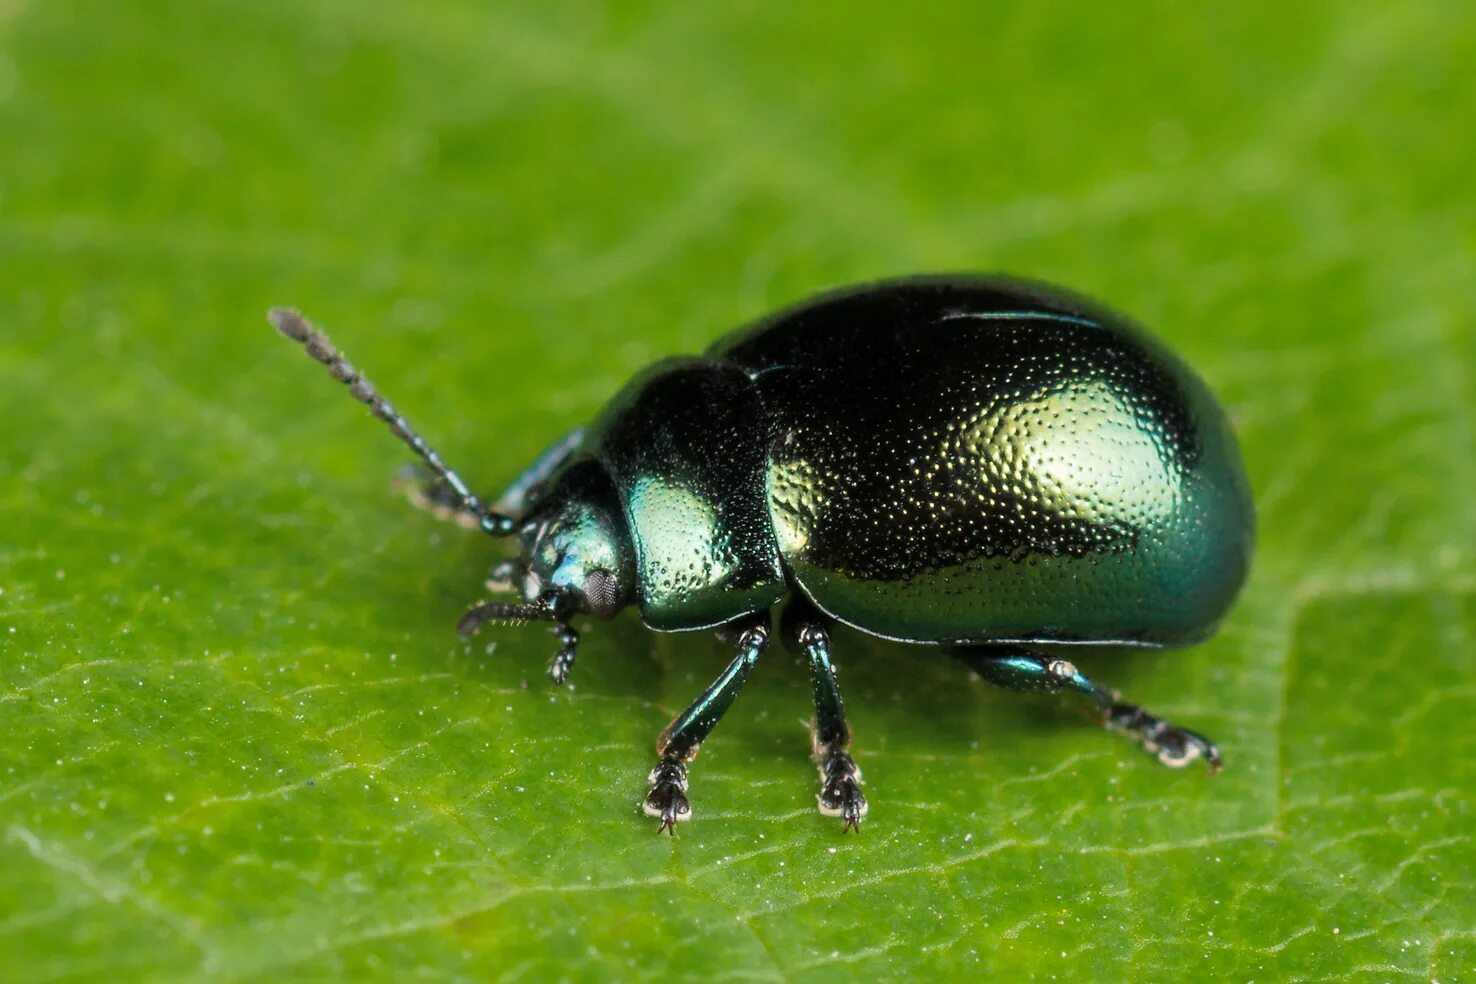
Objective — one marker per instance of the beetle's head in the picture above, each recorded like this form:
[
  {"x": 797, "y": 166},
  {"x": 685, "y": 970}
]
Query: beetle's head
[
  {"x": 577, "y": 554},
  {"x": 576, "y": 548}
]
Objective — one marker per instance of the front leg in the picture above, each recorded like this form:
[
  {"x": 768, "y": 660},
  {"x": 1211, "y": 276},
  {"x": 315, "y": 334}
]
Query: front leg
[
  {"x": 563, "y": 660},
  {"x": 678, "y": 745},
  {"x": 546, "y": 608},
  {"x": 433, "y": 495},
  {"x": 423, "y": 490}
]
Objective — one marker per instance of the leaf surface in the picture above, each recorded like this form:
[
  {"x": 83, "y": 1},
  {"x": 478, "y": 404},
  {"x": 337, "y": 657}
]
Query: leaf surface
[{"x": 241, "y": 739}]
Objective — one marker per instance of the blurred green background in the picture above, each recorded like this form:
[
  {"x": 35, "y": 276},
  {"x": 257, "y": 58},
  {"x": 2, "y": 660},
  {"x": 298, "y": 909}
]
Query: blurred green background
[{"x": 241, "y": 741}]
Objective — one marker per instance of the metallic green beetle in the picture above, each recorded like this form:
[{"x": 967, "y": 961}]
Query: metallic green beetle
[{"x": 995, "y": 466}]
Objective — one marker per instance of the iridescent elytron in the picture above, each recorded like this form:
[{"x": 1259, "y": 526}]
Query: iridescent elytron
[{"x": 995, "y": 466}]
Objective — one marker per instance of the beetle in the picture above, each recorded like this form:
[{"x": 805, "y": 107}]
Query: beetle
[{"x": 997, "y": 467}]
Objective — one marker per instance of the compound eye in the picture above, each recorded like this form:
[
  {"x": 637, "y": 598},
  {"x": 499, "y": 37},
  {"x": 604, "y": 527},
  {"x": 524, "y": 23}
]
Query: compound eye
[{"x": 601, "y": 593}]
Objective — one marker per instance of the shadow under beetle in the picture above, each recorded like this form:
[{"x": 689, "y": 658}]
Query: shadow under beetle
[{"x": 999, "y": 467}]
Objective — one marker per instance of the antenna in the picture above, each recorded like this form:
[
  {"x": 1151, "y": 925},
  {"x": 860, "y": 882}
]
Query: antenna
[
  {"x": 545, "y": 609},
  {"x": 316, "y": 344}
]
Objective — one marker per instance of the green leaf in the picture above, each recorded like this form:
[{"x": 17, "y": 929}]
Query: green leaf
[{"x": 241, "y": 739}]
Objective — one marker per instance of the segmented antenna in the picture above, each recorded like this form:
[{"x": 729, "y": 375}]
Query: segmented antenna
[
  {"x": 316, "y": 344},
  {"x": 543, "y": 610}
]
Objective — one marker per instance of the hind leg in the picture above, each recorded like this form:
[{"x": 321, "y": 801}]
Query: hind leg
[{"x": 1032, "y": 671}]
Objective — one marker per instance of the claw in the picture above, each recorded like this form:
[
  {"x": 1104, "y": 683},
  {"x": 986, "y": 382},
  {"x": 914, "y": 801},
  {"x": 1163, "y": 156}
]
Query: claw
[
  {"x": 667, "y": 800},
  {"x": 853, "y": 813},
  {"x": 846, "y": 801},
  {"x": 840, "y": 792},
  {"x": 669, "y": 817},
  {"x": 1177, "y": 747},
  {"x": 1174, "y": 747}
]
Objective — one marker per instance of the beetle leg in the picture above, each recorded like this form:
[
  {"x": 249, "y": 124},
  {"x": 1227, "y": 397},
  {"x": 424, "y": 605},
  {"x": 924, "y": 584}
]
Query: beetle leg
[
  {"x": 563, "y": 660},
  {"x": 431, "y": 494},
  {"x": 667, "y": 799},
  {"x": 1034, "y": 672},
  {"x": 423, "y": 490},
  {"x": 840, "y": 778}
]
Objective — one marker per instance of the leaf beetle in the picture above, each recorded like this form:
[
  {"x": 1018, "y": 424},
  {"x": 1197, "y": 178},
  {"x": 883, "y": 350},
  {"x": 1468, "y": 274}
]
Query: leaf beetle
[{"x": 997, "y": 467}]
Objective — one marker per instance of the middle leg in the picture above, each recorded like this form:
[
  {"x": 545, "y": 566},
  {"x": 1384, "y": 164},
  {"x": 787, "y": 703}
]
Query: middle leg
[{"x": 840, "y": 778}]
